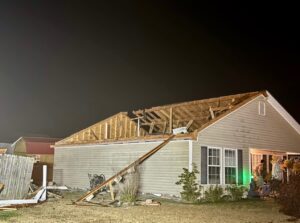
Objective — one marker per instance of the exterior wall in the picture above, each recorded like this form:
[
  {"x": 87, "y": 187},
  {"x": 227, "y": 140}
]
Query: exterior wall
[
  {"x": 158, "y": 173},
  {"x": 45, "y": 158},
  {"x": 245, "y": 128},
  {"x": 20, "y": 148}
]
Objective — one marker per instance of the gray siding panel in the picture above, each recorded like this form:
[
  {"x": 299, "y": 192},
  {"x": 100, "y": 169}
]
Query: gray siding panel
[{"x": 158, "y": 173}]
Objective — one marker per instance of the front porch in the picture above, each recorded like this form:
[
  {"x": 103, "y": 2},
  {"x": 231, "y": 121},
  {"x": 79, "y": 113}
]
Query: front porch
[
  {"x": 269, "y": 169},
  {"x": 257, "y": 155}
]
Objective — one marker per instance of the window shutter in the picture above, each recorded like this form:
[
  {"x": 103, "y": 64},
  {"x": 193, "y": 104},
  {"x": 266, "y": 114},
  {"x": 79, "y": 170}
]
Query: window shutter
[
  {"x": 240, "y": 167},
  {"x": 203, "y": 165}
]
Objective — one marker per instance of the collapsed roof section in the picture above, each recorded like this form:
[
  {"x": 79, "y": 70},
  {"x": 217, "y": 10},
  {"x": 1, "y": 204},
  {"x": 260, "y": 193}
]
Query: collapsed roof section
[
  {"x": 116, "y": 127},
  {"x": 157, "y": 123},
  {"x": 192, "y": 115}
]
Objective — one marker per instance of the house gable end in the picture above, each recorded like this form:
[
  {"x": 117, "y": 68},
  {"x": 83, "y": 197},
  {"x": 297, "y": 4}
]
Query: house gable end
[{"x": 245, "y": 128}]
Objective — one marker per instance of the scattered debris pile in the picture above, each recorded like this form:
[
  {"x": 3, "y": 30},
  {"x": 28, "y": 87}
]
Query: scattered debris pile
[
  {"x": 36, "y": 195},
  {"x": 119, "y": 190}
]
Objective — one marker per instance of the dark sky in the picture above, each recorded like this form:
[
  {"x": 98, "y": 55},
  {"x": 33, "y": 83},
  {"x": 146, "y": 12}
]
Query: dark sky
[{"x": 67, "y": 64}]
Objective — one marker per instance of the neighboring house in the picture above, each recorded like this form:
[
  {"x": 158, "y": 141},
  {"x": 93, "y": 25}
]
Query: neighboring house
[
  {"x": 6, "y": 148},
  {"x": 226, "y": 137},
  {"x": 39, "y": 148}
]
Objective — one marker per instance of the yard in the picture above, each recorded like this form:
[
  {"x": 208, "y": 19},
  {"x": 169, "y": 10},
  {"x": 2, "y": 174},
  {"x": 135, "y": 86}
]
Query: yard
[{"x": 62, "y": 211}]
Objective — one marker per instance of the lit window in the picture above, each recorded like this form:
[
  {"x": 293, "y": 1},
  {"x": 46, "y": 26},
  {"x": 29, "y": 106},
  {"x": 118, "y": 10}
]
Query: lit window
[
  {"x": 214, "y": 166},
  {"x": 230, "y": 166}
]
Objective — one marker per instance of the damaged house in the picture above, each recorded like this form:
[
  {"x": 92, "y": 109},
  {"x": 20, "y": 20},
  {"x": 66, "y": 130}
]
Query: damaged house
[{"x": 225, "y": 137}]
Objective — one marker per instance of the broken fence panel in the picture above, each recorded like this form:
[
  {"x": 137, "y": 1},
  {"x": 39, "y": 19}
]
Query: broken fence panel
[{"x": 15, "y": 174}]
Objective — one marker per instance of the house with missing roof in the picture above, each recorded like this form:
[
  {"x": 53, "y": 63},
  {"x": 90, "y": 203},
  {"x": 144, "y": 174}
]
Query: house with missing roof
[{"x": 226, "y": 137}]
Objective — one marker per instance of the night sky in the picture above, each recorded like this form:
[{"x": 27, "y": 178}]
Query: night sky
[{"x": 67, "y": 64}]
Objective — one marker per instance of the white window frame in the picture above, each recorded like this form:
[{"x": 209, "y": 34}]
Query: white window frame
[
  {"x": 236, "y": 165},
  {"x": 220, "y": 165},
  {"x": 262, "y": 108}
]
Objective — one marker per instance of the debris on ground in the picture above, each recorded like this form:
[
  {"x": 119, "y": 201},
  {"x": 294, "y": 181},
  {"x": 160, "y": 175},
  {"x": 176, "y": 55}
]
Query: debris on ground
[
  {"x": 8, "y": 209},
  {"x": 150, "y": 202}
]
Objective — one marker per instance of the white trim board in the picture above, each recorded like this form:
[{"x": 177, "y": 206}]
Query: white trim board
[
  {"x": 190, "y": 155},
  {"x": 118, "y": 144}
]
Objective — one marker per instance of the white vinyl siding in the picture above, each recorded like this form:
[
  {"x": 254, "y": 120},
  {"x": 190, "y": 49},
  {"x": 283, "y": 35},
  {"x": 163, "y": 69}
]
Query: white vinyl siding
[{"x": 158, "y": 173}]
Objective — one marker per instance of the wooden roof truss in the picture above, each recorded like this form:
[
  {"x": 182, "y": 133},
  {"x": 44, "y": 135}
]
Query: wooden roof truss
[
  {"x": 193, "y": 115},
  {"x": 159, "y": 121},
  {"x": 116, "y": 127}
]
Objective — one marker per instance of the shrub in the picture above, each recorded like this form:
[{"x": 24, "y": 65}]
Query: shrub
[
  {"x": 289, "y": 196},
  {"x": 190, "y": 187},
  {"x": 235, "y": 192},
  {"x": 288, "y": 164},
  {"x": 129, "y": 187},
  {"x": 275, "y": 186},
  {"x": 213, "y": 193},
  {"x": 296, "y": 167}
]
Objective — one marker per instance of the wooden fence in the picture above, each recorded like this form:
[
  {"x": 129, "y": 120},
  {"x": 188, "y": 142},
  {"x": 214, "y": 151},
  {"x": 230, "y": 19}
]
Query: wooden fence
[{"x": 15, "y": 174}]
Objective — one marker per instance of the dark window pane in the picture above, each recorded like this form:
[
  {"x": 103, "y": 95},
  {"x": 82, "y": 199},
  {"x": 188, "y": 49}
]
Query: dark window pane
[
  {"x": 209, "y": 160},
  {"x": 230, "y": 175},
  {"x": 214, "y": 175}
]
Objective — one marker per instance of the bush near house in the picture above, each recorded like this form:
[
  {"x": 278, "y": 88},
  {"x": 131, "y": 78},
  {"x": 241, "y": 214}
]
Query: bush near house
[
  {"x": 129, "y": 188},
  {"x": 214, "y": 194},
  {"x": 191, "y": 189},
  {"x": 289, "y": 196},
  {"x": 275, "y": 187},
  {"x": 235, "y": 192}
]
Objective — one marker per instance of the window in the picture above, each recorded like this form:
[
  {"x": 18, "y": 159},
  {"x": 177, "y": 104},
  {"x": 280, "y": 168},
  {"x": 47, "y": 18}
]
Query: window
[
  {"x": 214, "y": 166},
  {"x": 255, "y": 160},
  {"x": 262, "y": 108},
  {"x": 230, "y": 166}
]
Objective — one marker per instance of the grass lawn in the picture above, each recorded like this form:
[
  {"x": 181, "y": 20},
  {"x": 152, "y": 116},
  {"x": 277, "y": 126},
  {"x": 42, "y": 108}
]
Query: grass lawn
[{"x": 169, "y": 212}]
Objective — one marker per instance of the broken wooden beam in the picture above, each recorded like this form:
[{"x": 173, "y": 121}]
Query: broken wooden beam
[
  {"x": 94, "y": 134},
  {"x": 171, "y": 120},
  {"x": 211, "y": 113},
  {"x": 189, "y": 124}
]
